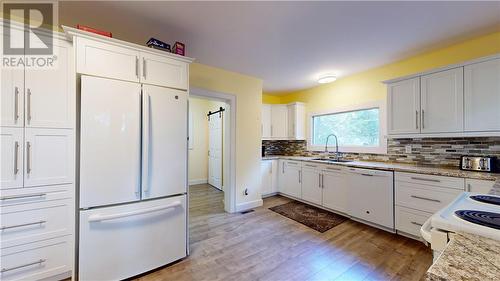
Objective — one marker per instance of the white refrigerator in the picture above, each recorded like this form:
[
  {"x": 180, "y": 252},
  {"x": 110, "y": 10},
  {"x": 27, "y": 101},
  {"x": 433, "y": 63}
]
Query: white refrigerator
[{"x": 133, "y": 178}]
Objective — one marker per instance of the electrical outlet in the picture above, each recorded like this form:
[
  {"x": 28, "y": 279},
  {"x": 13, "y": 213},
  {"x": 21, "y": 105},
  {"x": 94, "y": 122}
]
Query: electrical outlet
[{"x": 408, "y": 148}]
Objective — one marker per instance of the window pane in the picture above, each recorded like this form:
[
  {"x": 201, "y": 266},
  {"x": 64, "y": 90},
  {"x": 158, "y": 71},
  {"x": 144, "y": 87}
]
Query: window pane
[{"x": 353, "y": 128}]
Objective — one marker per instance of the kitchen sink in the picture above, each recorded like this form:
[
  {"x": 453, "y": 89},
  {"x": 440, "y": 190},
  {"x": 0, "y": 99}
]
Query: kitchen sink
[{"x": 333, "y": 160}]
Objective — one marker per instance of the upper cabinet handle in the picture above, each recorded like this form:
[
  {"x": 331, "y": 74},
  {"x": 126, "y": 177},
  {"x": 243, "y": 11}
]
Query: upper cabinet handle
[
  {"x": 29, "y": 106},
  {"x": 16, "y": 104},
  {"x": 144, "y": 68},
  {"x": 137, "y": 66}
]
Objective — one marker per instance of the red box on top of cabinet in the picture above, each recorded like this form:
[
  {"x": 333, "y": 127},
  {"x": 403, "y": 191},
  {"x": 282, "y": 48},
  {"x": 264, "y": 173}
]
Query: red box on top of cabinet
[
  {"x": 93, "y": 30},
  {"x": 179, "y": 49}
]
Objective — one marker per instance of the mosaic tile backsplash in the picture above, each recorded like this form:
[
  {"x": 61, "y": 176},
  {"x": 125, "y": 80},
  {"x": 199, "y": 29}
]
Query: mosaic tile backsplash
[{"x": 427, "y": 151}]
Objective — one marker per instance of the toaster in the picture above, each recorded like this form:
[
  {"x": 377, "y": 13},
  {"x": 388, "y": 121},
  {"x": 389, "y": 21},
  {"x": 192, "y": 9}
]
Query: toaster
[{"x": 478, "y": 163}]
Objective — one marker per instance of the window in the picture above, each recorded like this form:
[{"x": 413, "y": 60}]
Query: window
[{"x": 358, "y": 130}]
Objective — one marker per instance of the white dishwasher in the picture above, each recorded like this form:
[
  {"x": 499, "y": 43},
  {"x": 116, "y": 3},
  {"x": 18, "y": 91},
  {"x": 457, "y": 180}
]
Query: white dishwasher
[{"x": 371, "y": 196}]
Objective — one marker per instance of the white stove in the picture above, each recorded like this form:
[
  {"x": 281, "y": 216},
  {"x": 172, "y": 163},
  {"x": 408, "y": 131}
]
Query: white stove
[{"x": 470, "y": 212}]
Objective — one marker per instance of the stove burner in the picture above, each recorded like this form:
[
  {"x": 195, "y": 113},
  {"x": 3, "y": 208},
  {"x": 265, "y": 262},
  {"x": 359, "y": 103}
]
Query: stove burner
[
  {"x": 486, "y": 199},
  {"x": 487, "y": 219}
]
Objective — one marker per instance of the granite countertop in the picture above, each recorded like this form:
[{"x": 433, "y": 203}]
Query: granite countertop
[
  {"x": 467, "y": 257},
  {"x": 399, "y": 167}
]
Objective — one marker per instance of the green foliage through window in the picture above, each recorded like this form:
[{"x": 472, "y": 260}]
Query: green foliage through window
[{"x": 353, "y": 128}]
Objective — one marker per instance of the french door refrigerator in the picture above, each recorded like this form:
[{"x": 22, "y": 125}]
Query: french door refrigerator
[{"x": 133, "y": 178}]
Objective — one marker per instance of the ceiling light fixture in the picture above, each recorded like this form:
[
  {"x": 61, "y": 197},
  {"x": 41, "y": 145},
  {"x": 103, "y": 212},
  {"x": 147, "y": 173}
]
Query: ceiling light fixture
[{"x": 329, "y": 78}]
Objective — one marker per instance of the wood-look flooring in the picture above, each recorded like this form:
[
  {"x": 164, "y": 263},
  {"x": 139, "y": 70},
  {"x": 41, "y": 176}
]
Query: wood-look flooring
[{"x": 263, "y": 245}]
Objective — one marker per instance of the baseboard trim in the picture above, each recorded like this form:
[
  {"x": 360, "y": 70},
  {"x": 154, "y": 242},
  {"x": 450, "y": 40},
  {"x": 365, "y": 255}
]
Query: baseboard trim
[
  {"x": 249, "y": 205},
  {"x": 197, "y": 181}
]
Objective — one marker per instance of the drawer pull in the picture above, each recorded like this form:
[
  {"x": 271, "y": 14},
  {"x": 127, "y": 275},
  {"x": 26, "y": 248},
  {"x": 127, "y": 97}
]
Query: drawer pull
[
  {"x": 367, "y": 175},
  {"x": 425, "y": 198},
  {"x": 416, "y": 223},
  {"x": 313, "y": 166},
  {"x": 22, "y": 196},
  {"x": 334, "y": 169},
  {"x": 21, "y": 225},
  {"x": 40, "y": 261},
  {"x": 425, "y": 179}
]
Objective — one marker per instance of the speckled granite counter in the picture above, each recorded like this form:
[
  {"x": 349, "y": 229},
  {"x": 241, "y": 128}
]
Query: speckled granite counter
[
  {"x": 467, "y": 257},
  {"x": 399, "y": 167}
]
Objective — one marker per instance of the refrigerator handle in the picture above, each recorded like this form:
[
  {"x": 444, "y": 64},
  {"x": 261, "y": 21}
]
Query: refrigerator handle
[{"x": 145, "y": 142}]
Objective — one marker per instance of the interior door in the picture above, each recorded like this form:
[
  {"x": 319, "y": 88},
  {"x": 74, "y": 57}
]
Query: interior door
[
  {"x": 49, "y": 156},
  {"x": 215, "y": 127},
  {"x": 110, "y": 141},
  {"x": 50, "y": 93},
  {"x": 11, "y": 143},
  {"x": 442, "y": 97},
  {"x": 164, "y": 141}
]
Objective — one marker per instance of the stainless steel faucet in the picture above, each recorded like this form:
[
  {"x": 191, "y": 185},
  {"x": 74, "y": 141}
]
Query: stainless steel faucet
[{"x": 336, "y": 145}]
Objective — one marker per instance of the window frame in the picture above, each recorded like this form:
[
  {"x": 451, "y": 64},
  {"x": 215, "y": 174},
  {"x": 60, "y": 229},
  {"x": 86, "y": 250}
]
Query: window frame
[{"x": 381, "y": 149}]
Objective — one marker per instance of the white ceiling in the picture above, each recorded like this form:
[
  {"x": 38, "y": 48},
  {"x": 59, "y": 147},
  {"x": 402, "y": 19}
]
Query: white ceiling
[{"x": 289, "y": 44}]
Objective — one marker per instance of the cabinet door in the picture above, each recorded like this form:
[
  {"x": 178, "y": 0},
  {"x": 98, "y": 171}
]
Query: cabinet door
[
  {"x": 163, "y": 71},
  {"x": 482, "y": 96},
  {"x": 266, "y": 121},
  {"x": 12, "y": 88},
  {"x": 335, "y": 189},
  {"x": 12, "y": 157},
  {"x": 106, "y": 60},
  {"x": 403, "y": 100},
  {"x": 296, "y": 121},
  {"x": 479, "y": 186},
  {"x": 293, "y": 179},
  {"x": 50, "y": 93},
  {"x": 311, "y": 184},
  {"x": 279, "y": 121},
  {"x": 49, "y": 156},
  {"x": 371, "y": 196},
  {"x": 281, "y": 175},
  {"x": 266, "y": 169},
  {"x": 442, "y": 101},
  {"x": 164, "y": 142}
]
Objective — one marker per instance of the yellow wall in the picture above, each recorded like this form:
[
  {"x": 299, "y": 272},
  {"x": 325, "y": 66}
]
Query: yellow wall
[
  {"x": 248, "y": 92},
  {"x": 270, "y": 99},
  {"x": 366, "y": 86},
  {"x": 198, "y": 159}
]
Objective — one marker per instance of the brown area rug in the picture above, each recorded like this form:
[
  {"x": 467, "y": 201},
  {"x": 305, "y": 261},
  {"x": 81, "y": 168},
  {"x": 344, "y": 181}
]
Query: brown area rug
[{"x": 315, "y": 218}]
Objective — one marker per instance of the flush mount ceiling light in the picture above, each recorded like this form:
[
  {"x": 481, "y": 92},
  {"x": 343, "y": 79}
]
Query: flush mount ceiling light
[{"x": 328, "y": 78}]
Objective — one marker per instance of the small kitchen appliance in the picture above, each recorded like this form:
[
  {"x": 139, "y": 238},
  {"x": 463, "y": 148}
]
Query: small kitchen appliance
[{"x": 478, "y": 163}]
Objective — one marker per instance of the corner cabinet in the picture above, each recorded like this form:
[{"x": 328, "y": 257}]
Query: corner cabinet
[
  {"x": 456, "y": 101},
  {"x": 283, "y": 121}
]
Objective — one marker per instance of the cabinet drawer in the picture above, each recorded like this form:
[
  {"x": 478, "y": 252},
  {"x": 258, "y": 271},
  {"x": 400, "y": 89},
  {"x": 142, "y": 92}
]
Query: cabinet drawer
[
  {"x": 163, "y": 71},
  {"x": 29, "y": 195},
  {"x": 37, "y": 261},
  {"x": 20, "y": 224},
  {"x": 106, "y": 60},
  {"x": 441, "y": 181},
  {"x": 422, "y": 197},
  {"x": 410, "y": 221}
]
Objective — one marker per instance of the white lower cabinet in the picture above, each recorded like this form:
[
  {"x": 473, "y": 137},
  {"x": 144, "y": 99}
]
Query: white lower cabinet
[
  {"x": 292, "y": 179},
  {"x": 269, "y": 177},
  {"x": 335, "y": 188},
  {"x": 37, "y": 261},
  {"x": 409, "y": 220},
  {"x": 311, "y": 184},
  {"x": 480, "y": 186},
  {"x": 151, "y": 234},
  {"x": 371, "y": 196},
  {"x": 11, "y": 169}
]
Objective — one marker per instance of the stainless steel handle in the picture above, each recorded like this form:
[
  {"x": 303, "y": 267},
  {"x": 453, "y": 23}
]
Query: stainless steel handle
[
  {"x": 40, "y": 261},
  {"x": 16, "y": 155},
  {"x": 319, "y": 180},
  {"x": 425, "y": 198},
  {"x": 272, "y": 131},
  {"x": 16, "y": 104},
  {"x": 300, "y": 176},
  {"x": 425, "y": 179},
  {"x": 469, "y": 187},
  {"x": 21, "y": 225},
  {"x": 146, "y": 146},
  {"x": 28, "y": 157},
  {"x": 271, "y": 169},
  {"x": 101, "y": 218},
  {"x": 423, "y": 119},
  {"x": 22, "y": 196},
  {"x": 283, "y": 168},
  {"x": 292, "y": 163},
  {"x": 416, "y": 223},
  {"x": 308, "y": 165},
  {"x": 333, "y": 169},
  {"x": 144, "y": 68},
  {"x": 416, "y": 119},
  {"x": 28, "y": 102},
  {"x": 137, "y": 67},
  {"x": 367, "y": 175}
]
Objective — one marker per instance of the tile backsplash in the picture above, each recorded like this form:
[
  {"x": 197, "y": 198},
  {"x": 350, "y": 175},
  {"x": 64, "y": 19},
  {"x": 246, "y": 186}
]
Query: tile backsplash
[{"x": 426, "y": 151}]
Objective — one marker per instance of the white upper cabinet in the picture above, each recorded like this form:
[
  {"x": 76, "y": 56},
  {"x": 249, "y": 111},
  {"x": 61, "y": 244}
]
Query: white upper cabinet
[
  {"x": 296, "y": 121},
  {"x": 266, "y": 121},
  {"x": 279, "y": 121},
  {"x": 163, "y": 71},
  {"x": 442, "y": 101},
  {"x": 482, "y": 96},
  {"x": 50, "y": 94},
  {"x": 107, "y": 60},
  {"x": 11, "y": 147},
  {"x": 404, "y": 106}
]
